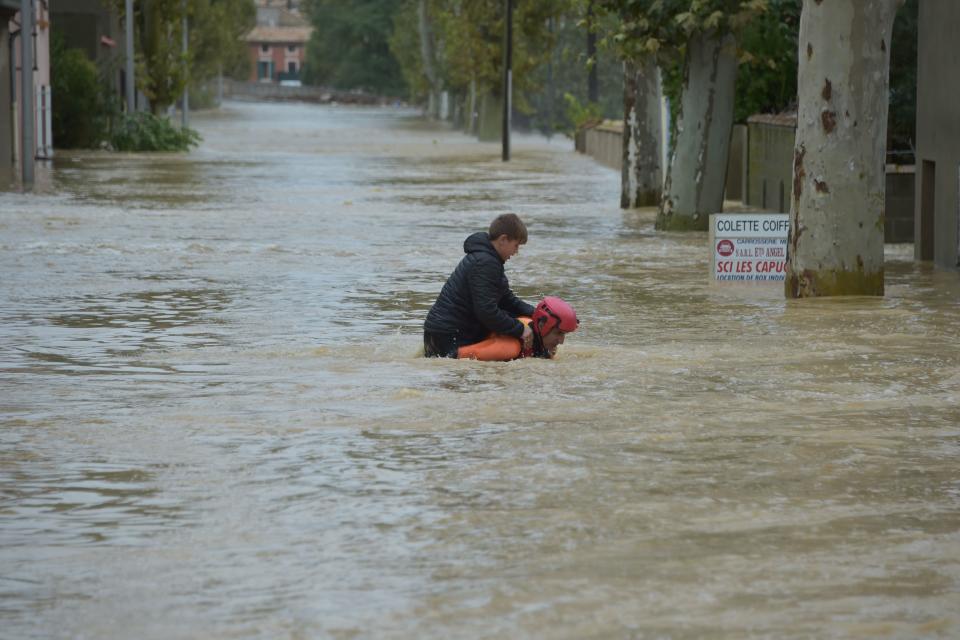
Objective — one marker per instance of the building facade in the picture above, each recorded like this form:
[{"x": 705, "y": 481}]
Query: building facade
[
  {"x": 937, "y": 199},
  {"x": 11, "y": 98},
  {"x": 278, "y": 43}
]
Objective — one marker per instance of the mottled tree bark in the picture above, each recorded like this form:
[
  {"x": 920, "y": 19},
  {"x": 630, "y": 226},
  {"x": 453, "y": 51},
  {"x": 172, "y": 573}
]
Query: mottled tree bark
[
  {"x": 642, "y": 176},
  {"x": 837, "y": 208},
  {"x": 698, "y": 166}
]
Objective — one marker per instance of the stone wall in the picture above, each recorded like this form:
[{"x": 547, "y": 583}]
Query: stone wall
[
  {"x": 759, "y": 166},
  {"x": 272, "y": 91},
  {"x": 769, "y": 160},
  {"x": 604, "y": 143}
]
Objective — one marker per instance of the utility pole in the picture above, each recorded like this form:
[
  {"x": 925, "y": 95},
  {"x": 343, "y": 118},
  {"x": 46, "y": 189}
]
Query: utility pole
[
  {"x": 27, "y": 152},
  {"x": 185, "y": 117},
  {"x": 129, "y": 47},
  {"x": 507, "y": 79},
  {"x": 550, "y": 92}
]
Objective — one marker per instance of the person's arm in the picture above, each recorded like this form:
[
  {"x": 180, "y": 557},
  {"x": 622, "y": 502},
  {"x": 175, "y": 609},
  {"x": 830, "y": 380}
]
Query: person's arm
[{"x": 484, "y": 281}]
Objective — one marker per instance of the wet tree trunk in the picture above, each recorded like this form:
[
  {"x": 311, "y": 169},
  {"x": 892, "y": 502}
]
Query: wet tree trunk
[
  {"x": 472, "y": 119},
  {"x": 698, "y": 166},
  {"x": 490, "y": 118},
  {"x": 642, "y": 178},
  {"x": 427, "y": 54},
  {"x": 837, "y": 209},
  {"x": 593, "y": 84}
]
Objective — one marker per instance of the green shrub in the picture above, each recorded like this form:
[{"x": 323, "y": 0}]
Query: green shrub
[
  {"x": 77, "y": 117},
  {"x": 582, "y": 115},
  {"x": 143, "y": 131}
]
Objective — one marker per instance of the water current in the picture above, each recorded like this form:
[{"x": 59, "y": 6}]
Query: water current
[{"x": 214, "y": 422}]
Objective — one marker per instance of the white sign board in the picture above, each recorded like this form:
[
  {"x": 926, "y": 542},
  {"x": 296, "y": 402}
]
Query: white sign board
[{"x": 749, "y": 247}]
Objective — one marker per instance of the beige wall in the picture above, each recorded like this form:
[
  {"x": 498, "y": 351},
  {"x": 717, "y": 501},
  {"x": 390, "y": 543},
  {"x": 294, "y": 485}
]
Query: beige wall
[
  {"x": 769, "y": 160},
  {"x": 6, "y": 115},
  {"x": 938, "y": 134},
  {"x": 604, "y": 143}
]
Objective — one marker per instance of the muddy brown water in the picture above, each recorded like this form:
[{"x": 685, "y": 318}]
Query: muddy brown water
[{"x": 214, "y": 423}]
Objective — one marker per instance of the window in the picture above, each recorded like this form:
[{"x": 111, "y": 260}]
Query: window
[
  {"x": 292, "y": 48},
  {"x": 292, "y": 67},
  {"x": 265, "y": 48},
  {"x": 264, "y": 70}
]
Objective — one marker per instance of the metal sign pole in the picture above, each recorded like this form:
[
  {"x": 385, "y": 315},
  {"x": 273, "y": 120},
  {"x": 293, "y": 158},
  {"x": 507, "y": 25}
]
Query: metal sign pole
[
  {"x": 507, "y": 79},
  {"x": 185, "y": 116}
]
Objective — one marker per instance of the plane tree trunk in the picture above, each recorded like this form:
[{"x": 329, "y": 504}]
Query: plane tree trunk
[
  {"x": 642, "y": 177},
  {"x": 428, "y": 56},
  {"x": 837, "y": 208},
  {"x": 698, "y": 166}
]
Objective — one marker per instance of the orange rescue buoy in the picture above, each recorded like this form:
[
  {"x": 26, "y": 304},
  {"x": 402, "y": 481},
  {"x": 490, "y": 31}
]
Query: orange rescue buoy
[{"x": 495, "y": 348}]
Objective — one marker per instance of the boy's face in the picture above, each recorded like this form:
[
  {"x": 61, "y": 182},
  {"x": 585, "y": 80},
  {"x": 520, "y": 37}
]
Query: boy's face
[{"x": 506, "y": 247}]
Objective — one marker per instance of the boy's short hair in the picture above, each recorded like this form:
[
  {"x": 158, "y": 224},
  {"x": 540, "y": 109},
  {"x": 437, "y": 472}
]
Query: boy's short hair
[{"x": 510, "y": 224}]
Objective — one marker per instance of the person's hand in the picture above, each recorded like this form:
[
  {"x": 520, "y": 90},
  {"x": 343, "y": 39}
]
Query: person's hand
[{"x": 527, "y": 337}]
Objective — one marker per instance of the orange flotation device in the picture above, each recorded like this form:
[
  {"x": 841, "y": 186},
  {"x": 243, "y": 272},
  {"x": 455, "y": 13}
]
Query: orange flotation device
[{"x": 495, "y": 348}]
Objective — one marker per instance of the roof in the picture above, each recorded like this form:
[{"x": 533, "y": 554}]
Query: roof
[
  {"x": 279, "y": 4},
  {"x": 279, "y": 34}
]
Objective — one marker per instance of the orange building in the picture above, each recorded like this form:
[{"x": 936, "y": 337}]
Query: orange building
[{"x": 278, "y": 43}]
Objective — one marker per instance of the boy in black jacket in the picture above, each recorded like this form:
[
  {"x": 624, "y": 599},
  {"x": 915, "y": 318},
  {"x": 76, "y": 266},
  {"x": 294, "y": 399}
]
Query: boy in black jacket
[{"x": 476, "y": 299}]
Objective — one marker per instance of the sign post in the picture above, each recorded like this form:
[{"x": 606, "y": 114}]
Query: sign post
[{"x": 748, "y": 247}]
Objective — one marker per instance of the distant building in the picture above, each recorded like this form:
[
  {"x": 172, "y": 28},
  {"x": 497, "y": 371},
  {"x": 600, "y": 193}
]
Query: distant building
[
  {"x": 11, "y": 100},
  {"x": 278, "y": 42}
]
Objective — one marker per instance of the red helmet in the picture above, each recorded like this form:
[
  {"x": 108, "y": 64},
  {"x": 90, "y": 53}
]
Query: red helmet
[{"x": 555, "y": 312}]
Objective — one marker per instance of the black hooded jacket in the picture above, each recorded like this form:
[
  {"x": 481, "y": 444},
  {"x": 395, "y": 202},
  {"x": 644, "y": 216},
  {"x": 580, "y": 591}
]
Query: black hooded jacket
[{"x": 477, "y": 300}]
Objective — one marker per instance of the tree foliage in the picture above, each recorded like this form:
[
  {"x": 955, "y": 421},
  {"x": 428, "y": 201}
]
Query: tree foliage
[
  {"x": 767, "y": 78},
  {"x": 902, "y": 118},
  {"x": 77, "y": 119},
  {"x": 142, "y": 131},
  {"x": 662, "y": 28},
  {"x": 560, "y": 86},
  {"x": 468, "y": 41},
  {"x": 349, "y": 48},
  {"x": 216, "y": 30}
]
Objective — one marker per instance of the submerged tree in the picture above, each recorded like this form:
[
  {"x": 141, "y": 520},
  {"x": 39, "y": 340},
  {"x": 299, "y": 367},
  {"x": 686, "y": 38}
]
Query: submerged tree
[
  {"x": 217, "y": 44},
  {"x": 642, "y": 172},
  {"x": 216, "y": 30},
  {"x": 456, "y": 46},
  {"x": 837, "y": 209},
  {"x": 349, "y": 47},
  {"x": 638, "y": 38},
  {"x": 700, "y": 37}
]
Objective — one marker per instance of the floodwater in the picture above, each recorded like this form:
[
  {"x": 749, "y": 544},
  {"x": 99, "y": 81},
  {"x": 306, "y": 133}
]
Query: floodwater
[{"x": 214, "y": 422}]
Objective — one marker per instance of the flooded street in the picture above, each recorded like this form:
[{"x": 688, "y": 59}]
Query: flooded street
[{"x": 214, "y": 422}]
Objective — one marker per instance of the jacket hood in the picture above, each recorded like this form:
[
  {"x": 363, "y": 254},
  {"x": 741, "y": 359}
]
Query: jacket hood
[{"x": 480, "y": 242}]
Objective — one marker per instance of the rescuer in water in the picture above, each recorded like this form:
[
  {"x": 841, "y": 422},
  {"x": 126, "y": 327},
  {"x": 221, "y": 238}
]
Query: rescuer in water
[
  {"x": 476, "y": 310},
  {"x": 552, "y": 320}
]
